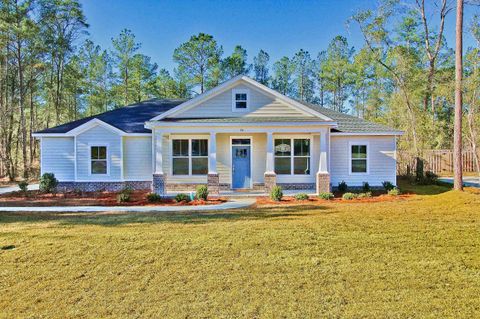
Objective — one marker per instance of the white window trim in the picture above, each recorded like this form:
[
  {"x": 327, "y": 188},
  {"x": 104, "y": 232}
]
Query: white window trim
[
  {"x": 240, "y": 91},
  {"x": 292, "y": 157},
  {"x": 359, "y": 143},
  {"x": 189, "y": 155},
  {"x": 90, "y": 145}
]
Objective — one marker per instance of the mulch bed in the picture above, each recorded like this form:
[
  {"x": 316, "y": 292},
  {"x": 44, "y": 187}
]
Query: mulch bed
[{"x": 137, "y": 198}]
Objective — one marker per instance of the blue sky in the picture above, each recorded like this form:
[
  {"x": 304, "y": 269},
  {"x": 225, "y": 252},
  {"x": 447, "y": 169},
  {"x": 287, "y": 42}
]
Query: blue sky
[{"x": 279, "y": 27}]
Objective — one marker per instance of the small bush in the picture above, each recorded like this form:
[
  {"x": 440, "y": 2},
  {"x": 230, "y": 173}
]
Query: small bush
[
  {"x": 366, "y": 187},
  {"x": 430, "y": 178},
  {"x": 201, "y": 192},
  {"x": 23, "y": 185},
  {"x": 48, "y": 183},
  {"x": 153, "y": 198},
  {"x": 349, "y": 196},
  {"x": 301, "y": 196},
  {"x": 325, "y": 196},
  {"x": 342, "y": 187},
  {"x": 365, "y": 195},
  {"x": 388, "y": 186},
  {"x": 123, "y": 197},
  {"x": 182, "y": 198},
  {"x": 276, "y": 194},
  {"x": 394, "y": 192}
]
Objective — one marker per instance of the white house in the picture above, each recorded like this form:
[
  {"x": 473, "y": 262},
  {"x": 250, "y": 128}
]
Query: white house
[{"x": 238, "y": 135}]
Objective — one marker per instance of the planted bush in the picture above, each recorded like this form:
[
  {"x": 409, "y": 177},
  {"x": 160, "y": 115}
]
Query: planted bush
[
  {"x": 430, "y": 177},
  {"x": 366, "y": 187},
  {"x": 342, "y": 187},
  {"x": 388, "y": 186},
  {"x": 23, "y": 185},
  {"x": 394, "y": 192},
  {"x": 48, "y": 183},
  {"x": 301, "y": 196},
  {"x": 325, "y": 196},
  {"x": 349, "y": 196},
  {"x": 276, "y": 194},
  {"x": 365, "y": 195},
  {"x": 123, "y": 197},
  {"x": 201, "y": 192},
  {"x": 182, "y": 198},
  {"x": 153, "y": 197}
]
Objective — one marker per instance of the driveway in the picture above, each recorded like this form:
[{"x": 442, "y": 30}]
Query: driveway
[{"x": 471, "y": 181}]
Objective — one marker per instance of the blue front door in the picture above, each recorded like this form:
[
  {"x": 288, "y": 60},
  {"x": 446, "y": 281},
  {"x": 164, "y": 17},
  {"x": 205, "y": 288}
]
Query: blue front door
[{"x": 241, "y": 166}]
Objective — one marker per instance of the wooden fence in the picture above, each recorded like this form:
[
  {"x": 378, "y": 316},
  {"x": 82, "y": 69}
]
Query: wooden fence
[{"x": 437, "y": 161}]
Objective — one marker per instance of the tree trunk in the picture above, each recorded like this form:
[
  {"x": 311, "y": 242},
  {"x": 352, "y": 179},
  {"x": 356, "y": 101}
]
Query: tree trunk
[{"x": 457, "y": 134}]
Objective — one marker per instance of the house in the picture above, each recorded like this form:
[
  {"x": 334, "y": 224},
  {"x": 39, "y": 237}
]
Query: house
[{"x": 238, "y": 135}]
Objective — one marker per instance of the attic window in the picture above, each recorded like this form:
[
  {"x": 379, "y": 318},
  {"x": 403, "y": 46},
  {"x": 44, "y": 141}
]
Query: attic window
[{"x": 240, "y": 99}]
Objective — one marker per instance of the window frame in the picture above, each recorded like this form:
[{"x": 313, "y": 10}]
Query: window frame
[
  {"x": 350, "y": 158},
  {"x": 107, "y": 159},
  {"x": 234, "y": 100},
  {"x": 292, "y": 154},
  {"x": 190, "y": 156}
]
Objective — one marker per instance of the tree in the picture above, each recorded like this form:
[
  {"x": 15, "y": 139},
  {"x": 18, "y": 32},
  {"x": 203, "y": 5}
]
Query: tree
[
  {"x": 282, "y": 76},
  {"x": 303, "y": 76},
  {"x": 198, "y": 58},
  {"x": 236, "y": 63},
  {"x": 457, "y": 135},
  {"x": 260, "y": 67},
  {"x": 143, "y": 77}
]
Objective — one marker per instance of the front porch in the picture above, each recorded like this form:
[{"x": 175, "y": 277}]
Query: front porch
[{"x": 241, "y": 161}]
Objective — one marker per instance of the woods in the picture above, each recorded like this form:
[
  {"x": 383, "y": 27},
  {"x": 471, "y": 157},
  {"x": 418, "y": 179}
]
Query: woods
[{"x": 403, "y": 76}]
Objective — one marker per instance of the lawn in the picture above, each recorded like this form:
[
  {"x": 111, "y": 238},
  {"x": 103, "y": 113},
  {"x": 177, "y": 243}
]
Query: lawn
[{"x": 415, "y": 257}]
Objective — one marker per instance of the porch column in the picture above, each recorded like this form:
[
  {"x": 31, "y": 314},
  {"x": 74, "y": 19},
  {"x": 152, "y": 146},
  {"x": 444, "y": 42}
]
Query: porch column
[
  {"x": 270, "y": 178},
  {"x": 213, "y": 180},
  {"x": 159, "y": 178},
  {"x": 323, "y": 176}
]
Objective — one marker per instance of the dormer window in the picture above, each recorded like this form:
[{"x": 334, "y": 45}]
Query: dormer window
[{"x": 240, "y": 100}]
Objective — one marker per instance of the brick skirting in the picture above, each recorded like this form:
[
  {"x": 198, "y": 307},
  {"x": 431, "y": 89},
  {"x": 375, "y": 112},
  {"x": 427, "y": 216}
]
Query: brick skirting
[{"x": 103, "y": 186}]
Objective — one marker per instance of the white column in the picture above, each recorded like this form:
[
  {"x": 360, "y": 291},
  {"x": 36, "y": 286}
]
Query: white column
[
  {"x": 270, "y": 153},
  {"x": 158, "y": 152},
  {"x": 323, "y": 164},
  {"x": 212, "y": 154}
]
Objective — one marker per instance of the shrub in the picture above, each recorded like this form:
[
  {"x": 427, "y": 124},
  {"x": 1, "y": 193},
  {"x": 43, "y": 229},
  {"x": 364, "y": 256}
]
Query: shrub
[
  {"x": 365, "y": 195},
  {"x": 182, "y": 198},
  {"x": 48, "y": 183},
  {"x": 325, "y": 196},
  {"x": 430, "y": 177},
  {"x": 388, "y": 186},
  {"x": 201, "y": 192},
  {"x": 153, "y": 197},
  {"x": 123, "y": 197},
  {"x": 366, "y": 187},
  {"x": 301, "y": 196},
  {"x": 349, "y": 196},
  {"x": 276, "y": 194},
  {"x": 23, "y": 185},
  {"x": 394, "y": 192},
  {"x": 342, "y": 187}
]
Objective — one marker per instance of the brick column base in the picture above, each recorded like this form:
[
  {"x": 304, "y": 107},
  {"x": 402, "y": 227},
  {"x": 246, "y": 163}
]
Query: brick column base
[
  {"x": 270, "y": 180},
  {"x": 213, "y": 184},
  {"x": 323, "y": 183},
  {"x": 158, "y": 184}
]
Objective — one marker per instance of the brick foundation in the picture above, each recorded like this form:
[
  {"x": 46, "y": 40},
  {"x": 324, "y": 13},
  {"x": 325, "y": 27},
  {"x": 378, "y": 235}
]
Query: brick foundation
[
  {"x": 103, "y": 186},
  {"x": 158, "y": 184},
  {"x": 323, "y": 183},
  {"x": 270, "y": 180},
  {"x": 297, "y": 186},
  {"x": 213, "y": 184}
]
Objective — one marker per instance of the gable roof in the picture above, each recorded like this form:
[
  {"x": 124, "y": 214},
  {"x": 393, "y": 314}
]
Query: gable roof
[
  {"x": 129, "y": 119},
  {"x": 225, "y": 86}
]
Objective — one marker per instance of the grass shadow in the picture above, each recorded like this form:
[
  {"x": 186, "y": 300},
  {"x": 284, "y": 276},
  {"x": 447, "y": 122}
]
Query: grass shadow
[
  {"x": 193, "y": 217},
  {"x": 408, "y": 188}
]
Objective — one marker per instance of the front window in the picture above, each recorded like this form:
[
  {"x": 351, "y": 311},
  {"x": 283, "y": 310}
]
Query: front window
[
  {"x": 294, "y": 161},
  {"x": 240, "y": 100},
  {"x": 359, "y": 158},
  {"x": 190, "y": 157},
  {"x": 98, "y": 158}
]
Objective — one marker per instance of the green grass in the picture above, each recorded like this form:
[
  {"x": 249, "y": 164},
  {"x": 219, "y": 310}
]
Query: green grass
[{"x": 409, "y": 258}]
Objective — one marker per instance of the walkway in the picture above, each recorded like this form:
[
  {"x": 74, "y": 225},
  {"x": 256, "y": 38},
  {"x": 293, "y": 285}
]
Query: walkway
[
  {"x": 4, "y": 190},
  {"x": 231, "y": 204},
  {"x": 470, "y": 181}
]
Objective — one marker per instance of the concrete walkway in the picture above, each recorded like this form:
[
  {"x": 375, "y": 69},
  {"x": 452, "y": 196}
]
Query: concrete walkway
[
  {"x": 4, "y": 190},
  {"x": 231, "y": 204},
  {"x": 470, "y": 181}
]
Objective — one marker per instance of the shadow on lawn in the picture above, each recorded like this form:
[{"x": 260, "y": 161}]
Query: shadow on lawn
[
  {"x": 408, "y": 188},
  {"x": 122, "y": 218}
]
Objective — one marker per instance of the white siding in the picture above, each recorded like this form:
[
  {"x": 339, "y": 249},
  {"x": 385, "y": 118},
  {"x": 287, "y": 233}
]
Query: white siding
[
  {"x": 137, "y": 160},
  {"x": 58, "y": 157},
  {"x": 261, "y": 105},
  {"x": 381, "y": 160},
  {"x": 99, "y": 135}
]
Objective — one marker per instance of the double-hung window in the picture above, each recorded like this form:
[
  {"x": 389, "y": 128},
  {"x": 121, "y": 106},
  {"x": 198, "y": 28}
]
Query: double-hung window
[
  {"x": 292, "y": 156},
  {"x": 240, "y": 100},
  {"x": 98, "y": 160},
  {"x": 359, "y": 158},
  {"x": 189, "y": 157}
]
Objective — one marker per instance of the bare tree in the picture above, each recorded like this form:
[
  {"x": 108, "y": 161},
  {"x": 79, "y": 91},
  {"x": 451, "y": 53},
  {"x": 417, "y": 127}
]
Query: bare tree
[{"x": 457, "y": 134}]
